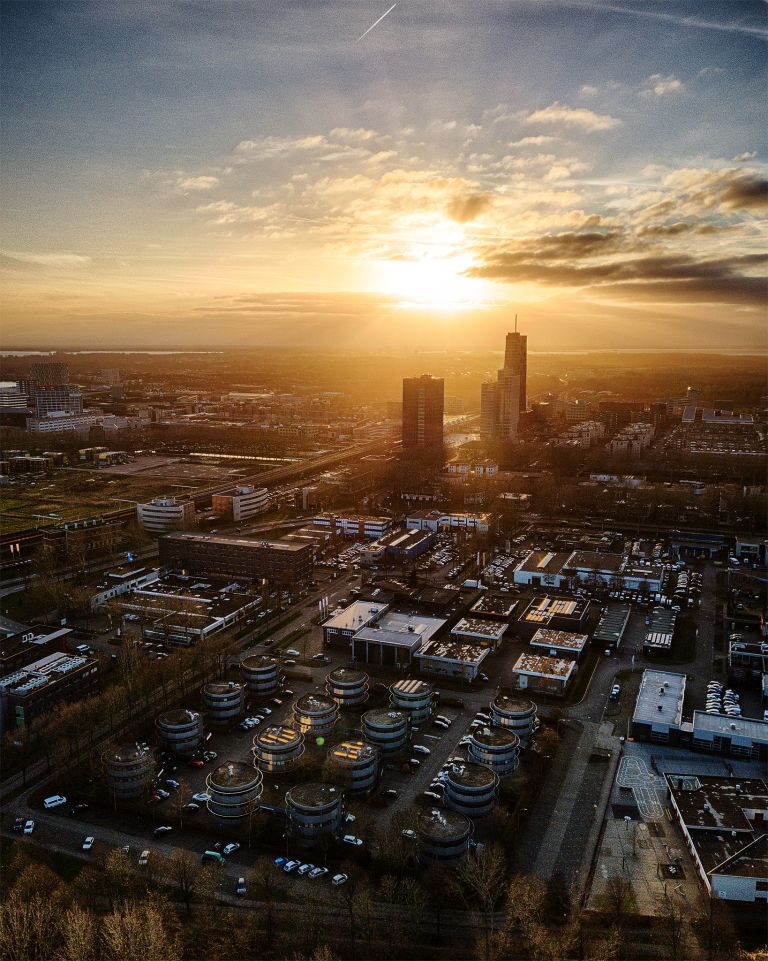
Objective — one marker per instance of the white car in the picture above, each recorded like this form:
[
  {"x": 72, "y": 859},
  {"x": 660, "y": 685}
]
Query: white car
[
  {"x": 241, "y": 888},
  {"x": 351, "y": 839},
  {"x": 292, "y": 652},
  {"x": 88, "y": 843},
  {"x": 410, "y": 834},
  {"x": 420, "y": 749},
  {"x": 318, "y": 872},
  {"x": 290, "y": 866},
  {"x": 231, "y": 847},
  {"x": 305, "y": 869},
  {"x": 339, "y": 879},
  {"x": 144, "y": 858},
  {"x": 202, "y": 798},
  {"x": 29, "y": 827}
]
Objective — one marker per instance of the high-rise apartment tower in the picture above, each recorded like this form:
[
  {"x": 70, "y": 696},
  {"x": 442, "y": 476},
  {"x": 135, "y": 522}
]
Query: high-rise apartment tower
[{"x": 423, "y": 403}]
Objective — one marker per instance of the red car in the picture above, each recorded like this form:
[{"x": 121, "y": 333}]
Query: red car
[{"x": 197, "y": 763}]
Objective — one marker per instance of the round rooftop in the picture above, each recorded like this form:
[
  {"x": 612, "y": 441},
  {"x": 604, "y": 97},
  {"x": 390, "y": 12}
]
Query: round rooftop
[
  {"x": 222, "y": 687},
  {"x": 314, "y": 794},
  {"x": 442, "y": 823},
  {"x": 314, "y": 703},
  {"x": 347, "y": 675},
  {"x": 411, "y": 686},
  {"x": 182, "y": 716},
  {"x": 495, "y": 736},
  {"x": 256, "y": 661},
  {"x": 383, "y": 717},
  {"x": 352, "y": 751},
  {"x": 513, "y": 703},
  {"x": 472, "y": 775},
  {"x": 124, "y": 753},
  {"x": 233, "y": 774},
  {"x": 278, "y": 735}
]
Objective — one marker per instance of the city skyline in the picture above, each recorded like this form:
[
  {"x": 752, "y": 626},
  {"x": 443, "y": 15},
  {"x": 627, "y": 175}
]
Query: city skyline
[{"x": 258, "y": 175}]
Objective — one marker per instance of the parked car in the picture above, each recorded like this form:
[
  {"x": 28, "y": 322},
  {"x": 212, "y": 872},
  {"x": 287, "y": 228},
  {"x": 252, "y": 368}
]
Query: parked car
[
  {"x": 172, "y": 784},
  {"x": 420, "y": 749},
  {"x": 240, "y": 888},
  {"x": 305, "y": 869},
  {"x": 144, "y": 858},
  {"x": 202, "y": 797},
  {"x": 18, "y": 825},
  {"x": 292, "y": 652},
  {"x": 163, "y": 829},
  {"x": 410, "y": 834},
  {"x": 231, "y": 847},
  {"x": 55, "y": 801},
  {"x": 351, "y": 839},
  {"x": 29, "y": 826},
  {"x": 390, "y": 793},
  {"x": 339, "y": 879},
  {"x": 88, "y": 843},
  {"x": 290, "y": 866},
  {"x": 318, "y": 872},
  {"x": 78, "y": 808},
  {"x": 615, "y": 691},
  {"x": 192, "y": 807},
  {"x": 280, "y": 861}
]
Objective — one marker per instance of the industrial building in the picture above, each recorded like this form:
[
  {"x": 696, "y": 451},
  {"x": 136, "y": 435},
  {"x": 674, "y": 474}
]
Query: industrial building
[
  {"x": 315, "y": 714},
  {"x": 314, "y": 811},
  {"x": 339, "y": 628},
  {"x": 476, "y": 630},
  {"x": 723, "y": 822},
  {"x": 398, "y": 547},
  {"x": 129, "y": 771},
  {"x": 37, "y": 688},
  {"x": 514, "y": 713},
  {"x": 556, "y": 613},
  {"x": 233, "y": 555},
  {"x": 493, "y": 606},
  {"x": 392, "y": 639},
  {"x": 224, "y": 702},
  {"x": 180, "y": 731},
  {"x": 661, "y": 631},
  {"x": 658, "y": 711},
  {"x": 415, "y": 697},
  {"x": 234, "y": 790},
  {"x": 559, "y": 643},
  {"x": 610, "y": 629},
  {"x": 278, "y": 748},
  {"x": 497, "y": 748},
  {"x": 451, "y": 659},
  {"x": 386, "y": 729},
  {"x": 547, "y": 675},
  {"x": 471, "y": 789},
  {"x": 347, "y": 687},
  {"x": 357, "y": 764},
  {"x": 443, "y": 836}
]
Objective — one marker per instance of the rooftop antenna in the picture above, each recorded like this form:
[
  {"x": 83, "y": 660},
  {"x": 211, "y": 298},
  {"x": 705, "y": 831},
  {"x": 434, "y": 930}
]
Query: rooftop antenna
[{"x": 515, "y": 323}]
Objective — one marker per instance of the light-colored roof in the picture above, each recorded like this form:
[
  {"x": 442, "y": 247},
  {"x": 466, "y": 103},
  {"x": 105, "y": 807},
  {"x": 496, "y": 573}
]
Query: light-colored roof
[{"x": 660, "y": 698}]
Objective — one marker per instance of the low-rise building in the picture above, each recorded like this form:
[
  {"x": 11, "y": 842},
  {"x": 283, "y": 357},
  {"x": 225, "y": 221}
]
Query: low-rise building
[
  {"x": 563, "y": 644},
  {"x": 451, "y": 659},
  {"x": 547, "y": 675},
  {"x": 241, "y": 503},
  {"x": 661, "y": 631},
  {"x": 37, "y": 688},
  {"x": 439, "y": 521},
  {"x": 556, "y": 613},
  {"x": 659, "y": 707},
  {"x": 339, "y": 628},
  {"x": 354, "y": 525},
  {"x": 393, "y": 638},
  {"x": 612, "y": 625},
  {"x": 21, "y": 649},
  {"x": 164, "y": 514},
  {"x": 476, "y": 630},
  {"x": 723, "y": 822},
  {"x": 493, "y": 606},
  {"x": 541, "y": 569}
]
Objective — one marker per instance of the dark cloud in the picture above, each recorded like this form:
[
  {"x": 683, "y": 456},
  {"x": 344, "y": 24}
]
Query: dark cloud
[
  {"x": 682, "y": 227},
  {"x": 749, "y": 192},
  {"x": 465, "y": 209}
]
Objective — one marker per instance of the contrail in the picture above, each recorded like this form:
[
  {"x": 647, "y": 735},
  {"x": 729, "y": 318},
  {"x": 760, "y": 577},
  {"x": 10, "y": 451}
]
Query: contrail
[{"x": 375, "y": 24}]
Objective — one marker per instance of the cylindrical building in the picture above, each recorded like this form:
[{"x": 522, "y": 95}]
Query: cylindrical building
[
  {"x": 347, "y": 686},
  {"x": 180, "y": 731},
  {"x": 514, "y": 712},
  {"x": 443, "y": 835},
  {"x": 497, "y": 748},
  {"x": 313, "y": 810},
  {"x": 129, "y": 770},
  {"x": 277, "y": 748},
  {"x": 224, "y": 702},
  {"x": 359, "y": 763},
  {"x": 234, "y": 790},
  {"x": 413, "y": 696},
  {"x": 315, "y": 714},
  {"x": 470, "y": 789},
  {"x": 260, "y": 673},
  {"x": 386, "y": 729}
]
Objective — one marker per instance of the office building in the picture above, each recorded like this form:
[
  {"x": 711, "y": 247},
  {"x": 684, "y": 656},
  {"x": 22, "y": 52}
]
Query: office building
[
  {"x": 423, "y": 399},
  {"x": 241, "y": 503},
  {"x": 502, "y": 402},
  {"x": 237, "y": 556},
  {"x": 165, "y": 514},
  {"x": 516, "y": 361},
  {"x": 38, "y": 687}
]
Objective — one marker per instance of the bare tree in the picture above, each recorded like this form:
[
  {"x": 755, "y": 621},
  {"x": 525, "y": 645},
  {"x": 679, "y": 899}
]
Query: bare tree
[
  {"x": 715, "y": 931},
  {"x": 619, "y": 896},
  {"x": 674, "y": 927},
  {"x": 79, "y": 937},
  {"x": 29, "y": 928},
  {"x": 269, "y": 889},
  {"x": 184, "y": 872},
  {"x": 136, "y": 933},
  {"x": 480, "y": 877}
]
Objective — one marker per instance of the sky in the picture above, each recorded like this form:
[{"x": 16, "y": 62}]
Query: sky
[{"x": 260, "y": 173}]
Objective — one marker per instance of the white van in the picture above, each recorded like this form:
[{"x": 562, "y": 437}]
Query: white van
[
  {"x": 54, "y": 801},
  {"x": 82, "y": 649}
]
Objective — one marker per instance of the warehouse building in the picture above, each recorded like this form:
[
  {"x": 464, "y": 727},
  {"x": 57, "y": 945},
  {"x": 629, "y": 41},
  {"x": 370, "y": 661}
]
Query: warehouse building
[
  {"x": 556, "y": 613},
  {"x": 547, "y": 675},
  {"x": 493, "y": 606},
  {"x": 393, "y": 639},
  {"x": 475, "y": 630},
  {"x": 723, "y": 821},
  {"x": 658, "y": 711},
  {"x": 450, "y": 659},
  {"x": 610, "y": 629}
]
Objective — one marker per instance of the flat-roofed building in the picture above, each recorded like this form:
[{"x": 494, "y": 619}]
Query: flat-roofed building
[
  {"x": 439, "y": 521},
  {"x": 610, "y": 629},
  {"x": 476, "y": 630},
  {"x": 241, "y": 503},
  {"x": 394, "y": 638},
  {"x": 659, "y": 707},
  {"x": 353, "y": 525},
  {"x": 548, "y": 675},
  {"x": 20, "y": 649},
  {"x": 164, "y": 514},
  {"x": 737, "y": 736},
  {"x": 661, "y": 631},
  {"x": 284, "y": 562},
  {"x": 541, "y": 569},
  {"x": 340, "y": 628},
  {"x": 37, "y": 688},
  {"x": 556, "y": 613},
  {"x": 493, "y": 606},
  {"x": 723, "y": 822},
  {"x": 559, "y": 643},
  {"x": 451, "y": 659}
]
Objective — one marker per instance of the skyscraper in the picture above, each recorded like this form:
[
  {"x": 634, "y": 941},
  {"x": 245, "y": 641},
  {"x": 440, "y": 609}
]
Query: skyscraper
[
  {"x": 502, "y": 401},
  {"x": 423, "y": 401}
]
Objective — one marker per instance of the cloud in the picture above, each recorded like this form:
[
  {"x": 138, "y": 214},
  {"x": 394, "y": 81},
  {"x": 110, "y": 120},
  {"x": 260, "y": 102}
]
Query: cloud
[
  {"x": 465, "y": 209},
  {"x": 747, "y": 192},
  {"x": 60, "y": 261},
  {"x": 588, "y": 120},
  {"x": 657, "y": 85},
  {"x": 186, "y": 184},
  {"x": 538, "y": 141},
  {"x": 745, "y": 157}
]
